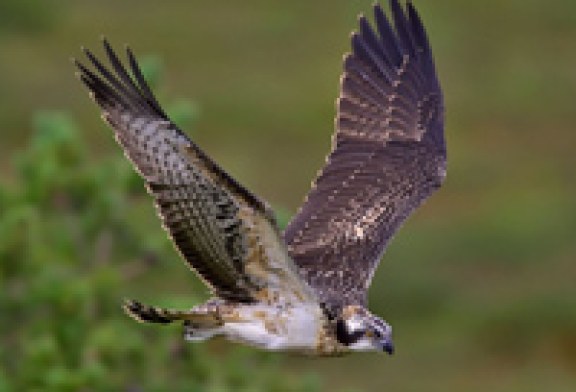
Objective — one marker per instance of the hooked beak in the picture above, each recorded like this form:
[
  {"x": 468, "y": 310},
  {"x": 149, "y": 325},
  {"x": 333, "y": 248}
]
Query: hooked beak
[{"x": 388, "y": 347}]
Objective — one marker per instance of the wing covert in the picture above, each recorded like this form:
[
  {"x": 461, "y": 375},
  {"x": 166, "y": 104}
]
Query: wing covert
[{"x": 388, "y": 155}]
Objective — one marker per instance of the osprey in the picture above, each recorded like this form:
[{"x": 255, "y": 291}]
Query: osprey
[{"x": 305, "y": 289}]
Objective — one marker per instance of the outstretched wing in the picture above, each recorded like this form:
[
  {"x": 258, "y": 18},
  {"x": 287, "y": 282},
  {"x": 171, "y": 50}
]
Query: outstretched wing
[
  {"x": 223, "y": 231},
  {"x": 388, "y": 156}
]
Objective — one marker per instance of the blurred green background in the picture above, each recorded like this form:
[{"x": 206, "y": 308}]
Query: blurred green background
[{"x": 480, "y": 285}]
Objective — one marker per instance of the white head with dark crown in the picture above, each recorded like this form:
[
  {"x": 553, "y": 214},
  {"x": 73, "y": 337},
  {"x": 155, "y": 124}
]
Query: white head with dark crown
[{"x": 360, "y": 330}]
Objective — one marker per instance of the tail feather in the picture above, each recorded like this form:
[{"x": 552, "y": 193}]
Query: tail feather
[{"x": 150, "y": 314}]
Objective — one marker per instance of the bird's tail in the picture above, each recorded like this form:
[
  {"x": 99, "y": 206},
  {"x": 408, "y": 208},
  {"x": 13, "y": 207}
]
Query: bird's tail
[{"x": 150, "y": 314}]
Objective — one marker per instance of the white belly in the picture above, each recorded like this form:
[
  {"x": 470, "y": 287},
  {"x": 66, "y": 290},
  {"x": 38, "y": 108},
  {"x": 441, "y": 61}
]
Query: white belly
[{"x": 293, "y": 328}]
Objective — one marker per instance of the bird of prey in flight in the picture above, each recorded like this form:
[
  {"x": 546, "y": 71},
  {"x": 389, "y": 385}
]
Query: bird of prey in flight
[{"x": 303, "y": 290}]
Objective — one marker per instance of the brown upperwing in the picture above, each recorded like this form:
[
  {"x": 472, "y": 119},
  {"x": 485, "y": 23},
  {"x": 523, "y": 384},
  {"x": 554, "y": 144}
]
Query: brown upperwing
[{"x": 388, "y": 156}]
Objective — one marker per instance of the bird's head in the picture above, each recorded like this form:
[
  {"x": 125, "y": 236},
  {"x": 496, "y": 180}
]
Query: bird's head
[{"x": 360, "y": 330}]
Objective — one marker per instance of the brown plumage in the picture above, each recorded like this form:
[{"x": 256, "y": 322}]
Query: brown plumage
[
  {"x": 307, "y": 290},
  {"x": 388, "y": 156},
  {"x": 214, "y": 222}
]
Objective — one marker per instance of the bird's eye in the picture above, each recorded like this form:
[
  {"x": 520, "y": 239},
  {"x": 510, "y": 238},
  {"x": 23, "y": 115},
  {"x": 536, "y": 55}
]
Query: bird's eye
[{"x": 348, "y": 337}]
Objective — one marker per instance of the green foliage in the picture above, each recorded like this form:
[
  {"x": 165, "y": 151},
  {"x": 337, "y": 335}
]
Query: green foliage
[{"x": 66, "y": 244}]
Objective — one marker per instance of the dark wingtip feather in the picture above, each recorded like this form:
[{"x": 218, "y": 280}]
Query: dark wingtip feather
[
  {"x": 107, "y": 47},
  {"x": 121, "y": 71},
  {"x": 418, "y": 28},
  {"x": 402, "y": 27},
  {"x": 115, "y": 85},
  {"x": 364, "y": 24},
  {"x": 388, "y": 37},
  {"x": 367, "y": 48},
  {"x": 103, "y": 93},
  {"x": 142, "y": 84},
  {"x": 395, "y": 6}
]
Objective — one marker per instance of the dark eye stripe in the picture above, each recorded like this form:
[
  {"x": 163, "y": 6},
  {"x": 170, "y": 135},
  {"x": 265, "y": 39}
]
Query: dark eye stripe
[{"x": 344, "y": 337}]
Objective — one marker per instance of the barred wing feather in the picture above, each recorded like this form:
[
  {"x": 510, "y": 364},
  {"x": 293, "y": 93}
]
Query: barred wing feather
[
  {"x": 388, "y": 156},
  {"x": 223, "y": 231}
]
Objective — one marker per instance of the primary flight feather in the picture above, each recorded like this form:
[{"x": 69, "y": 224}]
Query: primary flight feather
[{"x": 304, "y": 290}]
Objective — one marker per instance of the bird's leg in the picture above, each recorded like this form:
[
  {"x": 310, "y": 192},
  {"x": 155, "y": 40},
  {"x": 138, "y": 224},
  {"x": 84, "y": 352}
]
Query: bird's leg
[{"x": 205, "y": 321}]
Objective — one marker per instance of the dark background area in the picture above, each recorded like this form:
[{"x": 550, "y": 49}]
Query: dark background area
[{"x": 479, "y": 284}]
